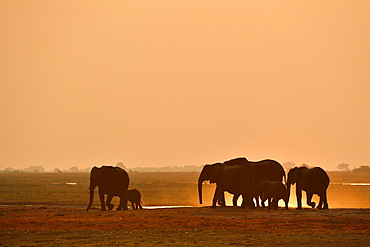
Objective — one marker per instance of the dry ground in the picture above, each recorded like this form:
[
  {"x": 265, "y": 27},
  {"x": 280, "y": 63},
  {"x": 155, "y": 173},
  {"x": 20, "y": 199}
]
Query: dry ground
[
  {"x": 57, "y": 216},
  {"x": 195, "y": 226}
]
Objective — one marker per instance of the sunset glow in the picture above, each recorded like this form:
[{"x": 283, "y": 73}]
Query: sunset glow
[{"x": 165, "y": 83}]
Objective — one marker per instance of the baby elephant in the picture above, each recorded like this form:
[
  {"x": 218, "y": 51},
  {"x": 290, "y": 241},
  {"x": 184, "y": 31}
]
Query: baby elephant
[
  {"x": 134, "y": 196},
  {"x": 273, "y": 191}
]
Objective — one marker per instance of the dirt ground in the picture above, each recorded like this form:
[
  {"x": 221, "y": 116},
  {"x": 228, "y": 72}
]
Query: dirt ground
[{"x": 190, "y": 226}]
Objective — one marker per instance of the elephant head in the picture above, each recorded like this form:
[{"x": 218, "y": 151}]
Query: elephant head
[
  {"x": 96, "y": 177},
  {"x": 292, "y": 179},
  {"x": 294, "y": 175},
  {"x": 211, "y": 173}
]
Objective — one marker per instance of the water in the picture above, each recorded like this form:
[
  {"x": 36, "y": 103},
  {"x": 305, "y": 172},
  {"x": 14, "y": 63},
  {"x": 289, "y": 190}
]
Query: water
[
  {"x": 162, "y": 207},
  {"x": 357, "y": 184}
]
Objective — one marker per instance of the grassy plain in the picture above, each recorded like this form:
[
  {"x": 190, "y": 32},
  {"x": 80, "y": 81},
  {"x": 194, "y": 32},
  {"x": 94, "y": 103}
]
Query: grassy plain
[{"x": 49, "y": 209}]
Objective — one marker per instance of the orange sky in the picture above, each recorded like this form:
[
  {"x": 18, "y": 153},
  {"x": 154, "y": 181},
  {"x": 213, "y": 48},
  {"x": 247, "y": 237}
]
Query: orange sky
[{"x": 158, "y": 83}]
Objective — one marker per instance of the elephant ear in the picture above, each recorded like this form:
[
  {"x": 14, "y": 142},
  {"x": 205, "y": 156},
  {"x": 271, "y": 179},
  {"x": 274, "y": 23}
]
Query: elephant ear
[
  {"x": 96, "y": 173},
  {"x": 298, "y": 172},
  {"x": 94, "y": 170},
  {"x": 215, "y": 173},
  {"x": 293, "y": 175}
]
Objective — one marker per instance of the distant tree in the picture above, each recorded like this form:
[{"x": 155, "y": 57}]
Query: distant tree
[
  {"x": 343, "y": 167},
  {"x": 362, "y": 169},
  {"x": 9, "y": 169},
  {"x": 192, "y": 168},
  {"x": 289, "y": 165},
  {"x": 120, "y": 164},
  {"x": 87, "y": 169},
  {"x": 73, "y": 169},
  {"x": 34, "y": 169},
  {"x": 57, "y": 170}
]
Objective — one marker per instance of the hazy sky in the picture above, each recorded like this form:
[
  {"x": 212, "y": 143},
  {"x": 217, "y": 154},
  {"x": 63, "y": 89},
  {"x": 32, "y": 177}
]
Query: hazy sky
[{"x": 163, "y": 83}]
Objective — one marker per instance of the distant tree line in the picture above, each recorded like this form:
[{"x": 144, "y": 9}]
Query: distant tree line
[
  {"x": 40, "y": 169},
  {"x": 362, "y": 169},
  {"x": 167, "y": 169},
  {"x": 75, "y": 169},
  {"x": 341, "y": 167},
  {"x": 345, "y": 167},
  {"x": 189, "y": 168}
]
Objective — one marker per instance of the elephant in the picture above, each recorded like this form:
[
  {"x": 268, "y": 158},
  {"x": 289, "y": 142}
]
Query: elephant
[
  {"x": 236, "y": 179},
  {"x": 112, "y": 181},
  {"x": 313, "y": 181},
  {"x": 262, "y": 170},
  {"x": 272, "y": 191},
  {"x": 134, "y": 196}
]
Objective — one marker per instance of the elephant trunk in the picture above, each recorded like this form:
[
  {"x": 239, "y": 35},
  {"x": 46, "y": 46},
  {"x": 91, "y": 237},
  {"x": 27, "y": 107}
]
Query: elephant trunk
[
  {"x": 200, "y": 182},
  {"x": 91, "y": 188}
]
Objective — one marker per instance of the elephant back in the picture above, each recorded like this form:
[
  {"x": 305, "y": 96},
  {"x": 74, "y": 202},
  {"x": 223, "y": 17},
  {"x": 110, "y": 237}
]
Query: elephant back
[
  {"x": 238, "y": 180},
  {"x": 237, "y": 161},
  {"x": 316, "y": 179},
  {"x": 267, "y": 170},
  {"x": 114, "y": 179},
  {"x": 122, "y": 178}
]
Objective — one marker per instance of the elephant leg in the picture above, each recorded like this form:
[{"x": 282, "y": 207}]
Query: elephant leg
[
  {"x": 299, "y": 197},
  {"x": 235, "y": 200},
  {"x": 109, "y": 200},
  {"x": 257, "y": 201},
  {"x": 273, "y": 202},
  {"x": 248, "y": 201},
  {"x": 309, "y": 198},
  {"x": 319, "y": 206},
  {"x": 244, "y": 201},
  {"x": 219, "y": 195},
  {"x": 214, "y": 202},
  {"x": 263, "y": 199},
  {"x": 324, "y": 200},
  {"x": 102, "y": 202},
  {"x": 262, "y": 202},
  {"x": 122, "y": 203},
  {"x": 259, "y": 198},
  {"x": 269, "y": 201},
  {"x": 221, "y": 200}
]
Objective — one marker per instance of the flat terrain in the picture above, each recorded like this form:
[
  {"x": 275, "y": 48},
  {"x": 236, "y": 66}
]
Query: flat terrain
[
  {"x": 196, "y": 226},
  {"x": 49, "y": 210}
]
